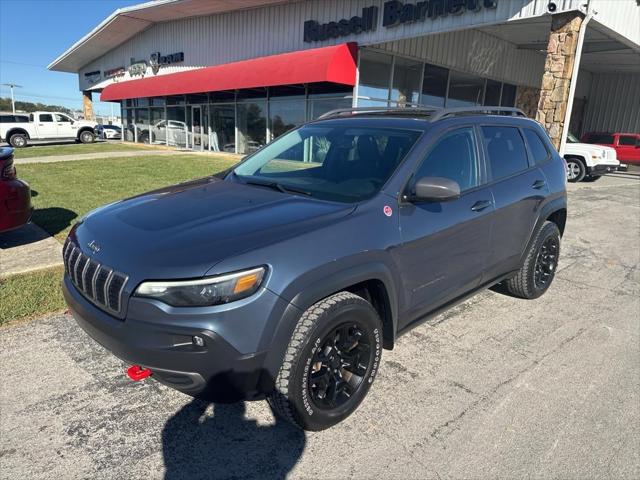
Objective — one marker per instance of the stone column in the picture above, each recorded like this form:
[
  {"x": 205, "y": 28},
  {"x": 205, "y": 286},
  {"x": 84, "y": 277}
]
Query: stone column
[
  {"x": 558, "y": 69},
  {"x": 87, "y": 105}
]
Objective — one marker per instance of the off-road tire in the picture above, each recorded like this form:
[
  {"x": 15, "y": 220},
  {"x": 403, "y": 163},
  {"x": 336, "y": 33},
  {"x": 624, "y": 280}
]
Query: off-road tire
[
  {"x": 18, "y": 140},
  {"x": 523, "y": 285},
  {"x": 288, "y": 398},
  {"x": 87, "y": 137},
  {"x": 578, "y": 167}
]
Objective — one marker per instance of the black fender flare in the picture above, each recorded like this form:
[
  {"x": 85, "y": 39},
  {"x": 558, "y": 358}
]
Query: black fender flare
[
  {"x": 548, "y": 209},
  {"x": 313, "y": 287}
]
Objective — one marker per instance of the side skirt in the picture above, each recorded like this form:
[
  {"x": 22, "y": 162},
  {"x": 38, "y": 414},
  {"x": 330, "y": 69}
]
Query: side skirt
[{"x": 452, "y": 303}]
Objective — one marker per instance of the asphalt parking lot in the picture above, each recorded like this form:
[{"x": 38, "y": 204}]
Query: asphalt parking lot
[{"x": 496, "y": 388}]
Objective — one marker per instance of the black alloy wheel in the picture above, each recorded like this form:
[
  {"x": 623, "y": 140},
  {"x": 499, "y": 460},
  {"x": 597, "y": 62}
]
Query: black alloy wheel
[
  {"x": 338, "y": 367},
  {"x": 546, "y": 262}
]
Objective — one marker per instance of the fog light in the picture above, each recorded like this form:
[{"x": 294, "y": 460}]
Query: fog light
[{"x": 199, "y": 341}]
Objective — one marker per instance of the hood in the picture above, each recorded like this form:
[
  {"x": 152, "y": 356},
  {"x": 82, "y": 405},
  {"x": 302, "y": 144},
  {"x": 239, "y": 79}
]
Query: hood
[
  {"x": 183, "y": 230},
  {"x": 588, "y": 148}
]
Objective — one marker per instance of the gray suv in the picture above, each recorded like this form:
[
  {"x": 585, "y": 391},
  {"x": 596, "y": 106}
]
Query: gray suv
[{"x": 285, "y": 277}]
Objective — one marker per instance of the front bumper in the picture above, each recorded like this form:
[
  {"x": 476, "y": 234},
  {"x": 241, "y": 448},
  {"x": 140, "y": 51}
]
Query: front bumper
[
  {"x": 216, "y": 371},
  {"x": 602, "y": 168}
]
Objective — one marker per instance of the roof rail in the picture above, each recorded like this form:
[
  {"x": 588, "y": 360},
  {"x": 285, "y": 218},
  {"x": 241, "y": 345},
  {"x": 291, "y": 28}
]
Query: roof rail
[
  {"x": 422, "y": 111},
  {"x": 452, "y": 112}
]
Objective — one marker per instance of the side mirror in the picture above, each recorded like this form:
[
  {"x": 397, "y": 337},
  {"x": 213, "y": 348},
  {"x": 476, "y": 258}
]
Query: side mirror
[{"x": 435, "y": 189}]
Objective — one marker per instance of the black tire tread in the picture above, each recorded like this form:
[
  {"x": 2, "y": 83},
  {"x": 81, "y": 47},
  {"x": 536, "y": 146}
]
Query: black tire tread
[
  {"x": 279, "y": 399},
  {"x": 520, "y": 285}
]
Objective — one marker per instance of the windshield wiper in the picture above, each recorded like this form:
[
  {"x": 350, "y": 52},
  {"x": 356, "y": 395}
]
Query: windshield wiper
[{"x": 275, "y": 186}]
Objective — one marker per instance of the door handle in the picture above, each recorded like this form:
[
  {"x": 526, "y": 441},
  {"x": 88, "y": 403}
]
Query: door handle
[
  {"x": 481, "y": 205},
  {"x": 538, "y": 184}
]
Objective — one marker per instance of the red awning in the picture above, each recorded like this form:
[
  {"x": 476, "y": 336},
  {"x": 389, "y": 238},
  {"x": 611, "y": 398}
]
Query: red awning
[{"x": 334, "y": 64}]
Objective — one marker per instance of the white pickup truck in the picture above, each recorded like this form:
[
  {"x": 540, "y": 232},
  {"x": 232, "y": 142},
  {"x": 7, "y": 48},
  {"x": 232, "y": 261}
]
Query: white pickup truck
[
  {"x": 17, "y": 129},
  {"x": 587, "y": 162}
]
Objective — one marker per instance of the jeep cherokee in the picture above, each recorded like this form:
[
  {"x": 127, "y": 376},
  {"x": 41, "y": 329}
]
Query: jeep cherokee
[{"x": 285, "y": 277}]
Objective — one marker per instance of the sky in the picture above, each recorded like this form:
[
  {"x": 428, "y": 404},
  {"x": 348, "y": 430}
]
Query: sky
[{"x": 33, "y": 33}]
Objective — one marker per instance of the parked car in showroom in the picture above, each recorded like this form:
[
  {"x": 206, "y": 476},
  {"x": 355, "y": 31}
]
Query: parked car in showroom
[
  {"x": 626, "y": 145},
  {"x": 108, "y": 132},
  {"x": 586, "y": 162},
  {"x": 46, "y": 126},
  {"x": 286, "y": 277},
  {"x": 15, "y": 194}
]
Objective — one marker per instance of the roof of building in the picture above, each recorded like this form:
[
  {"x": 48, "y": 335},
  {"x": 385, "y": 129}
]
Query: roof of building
[{"x": 125, "y": 23}]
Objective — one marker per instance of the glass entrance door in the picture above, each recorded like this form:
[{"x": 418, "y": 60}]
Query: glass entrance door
[{"x": 197, "y": 128}]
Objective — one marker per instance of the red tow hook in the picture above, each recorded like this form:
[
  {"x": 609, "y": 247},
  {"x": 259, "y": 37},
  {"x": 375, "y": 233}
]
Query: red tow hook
[{"x": 137, "y": 373}]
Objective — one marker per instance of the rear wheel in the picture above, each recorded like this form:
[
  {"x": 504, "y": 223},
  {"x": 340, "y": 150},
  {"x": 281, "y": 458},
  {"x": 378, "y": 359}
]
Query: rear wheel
[
  {"x": 330, "y": 363},
  {"x": 539, "y": 268},
  {"x": 18, "y": 140},
  {"x": 87, "y": 137},
  {"x": 576, "y": 170}
]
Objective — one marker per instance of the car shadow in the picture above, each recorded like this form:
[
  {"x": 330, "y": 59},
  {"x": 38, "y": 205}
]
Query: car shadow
[
  {"x": 54, "y": 219},
  {"x": 206, "y": 440}
]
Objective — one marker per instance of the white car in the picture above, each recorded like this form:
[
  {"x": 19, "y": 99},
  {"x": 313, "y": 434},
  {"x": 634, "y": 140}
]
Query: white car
[
  {"x": 45, "y": 126},
  {"x": 588, "y": 162}
]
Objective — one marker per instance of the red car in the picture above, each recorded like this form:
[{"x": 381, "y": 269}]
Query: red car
[
  {"x": 626, "y": 145},
  {"x": 15, "y": 195}
]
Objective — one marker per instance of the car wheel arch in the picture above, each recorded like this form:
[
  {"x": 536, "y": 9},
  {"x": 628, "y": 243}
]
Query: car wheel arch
[
  {"x": 374, "y": 278},
  {"x": 17, "y": 131}
]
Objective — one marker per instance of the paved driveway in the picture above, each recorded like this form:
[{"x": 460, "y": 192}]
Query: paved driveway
[{"x": 497, "y": 388}]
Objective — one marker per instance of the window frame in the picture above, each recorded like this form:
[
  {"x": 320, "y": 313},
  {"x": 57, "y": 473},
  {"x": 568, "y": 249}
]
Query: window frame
[
  {"x": 50, "y": 115},
  {"x": 625, "y": 135},
  {"x": 487, "y": 159},
  {"x": 481, "y": 171}
]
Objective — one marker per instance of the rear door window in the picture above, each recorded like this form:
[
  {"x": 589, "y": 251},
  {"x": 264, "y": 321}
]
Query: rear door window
[
  {"x": 46, "y": 117},
  {"x": 506, "y": 152},
  {"x": 537, "y": 148}
]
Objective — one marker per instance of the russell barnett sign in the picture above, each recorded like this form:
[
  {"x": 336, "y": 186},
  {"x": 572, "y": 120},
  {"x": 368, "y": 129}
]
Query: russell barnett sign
[{"x": 393, "y": 13}]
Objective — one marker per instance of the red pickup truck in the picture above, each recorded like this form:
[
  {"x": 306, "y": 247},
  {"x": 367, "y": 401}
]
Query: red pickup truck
[{"x": 626, "y": 145}]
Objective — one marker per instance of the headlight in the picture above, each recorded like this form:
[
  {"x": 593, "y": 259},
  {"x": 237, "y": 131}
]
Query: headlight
[{"x": 205, "y": 292}]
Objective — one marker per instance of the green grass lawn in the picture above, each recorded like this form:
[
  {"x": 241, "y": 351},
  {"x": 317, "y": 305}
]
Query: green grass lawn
[
  {"x": 64, "y": 191},
  {"x": 75, "y": 149},
  {"x": 31, "y": 295}
]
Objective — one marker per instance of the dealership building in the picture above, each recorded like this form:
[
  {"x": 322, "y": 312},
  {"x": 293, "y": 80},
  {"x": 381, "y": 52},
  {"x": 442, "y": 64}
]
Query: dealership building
[{"x": 231, "y": 76}]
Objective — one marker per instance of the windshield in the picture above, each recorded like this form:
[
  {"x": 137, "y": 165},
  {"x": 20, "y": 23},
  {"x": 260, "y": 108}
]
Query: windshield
[
  {"x": 571, "y": 138},
  {"x": 332, "y": 163}
]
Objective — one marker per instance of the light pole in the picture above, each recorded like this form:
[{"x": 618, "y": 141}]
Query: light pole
[{"x": 12, "y": 86}]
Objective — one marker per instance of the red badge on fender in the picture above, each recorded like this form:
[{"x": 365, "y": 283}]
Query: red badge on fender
[{"x": 387, "y": 210}]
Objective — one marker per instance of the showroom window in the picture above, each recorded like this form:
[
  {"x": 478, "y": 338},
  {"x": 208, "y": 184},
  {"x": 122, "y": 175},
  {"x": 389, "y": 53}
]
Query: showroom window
[
  {"x": 434, "y": 86},
  {"x": 406, "y": 82},
  {"x": 508, "y": 95},
  {"x": 492, "y": 93},
  {"x": 465, "y": 90},
  {"x": 375, "y": 77}
]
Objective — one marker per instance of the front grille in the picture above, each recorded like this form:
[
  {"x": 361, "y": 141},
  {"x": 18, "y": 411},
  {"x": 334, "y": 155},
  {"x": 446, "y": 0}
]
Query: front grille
[{"x": 98, "y": 283}]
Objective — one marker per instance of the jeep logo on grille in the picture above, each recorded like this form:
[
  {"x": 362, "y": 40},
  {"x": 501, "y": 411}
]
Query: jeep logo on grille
[{"x": 95, "y": 248}]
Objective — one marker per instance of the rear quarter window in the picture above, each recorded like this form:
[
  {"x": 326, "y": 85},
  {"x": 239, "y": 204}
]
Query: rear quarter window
[
  {"x": 506, "y": 152},
  {"x": 537, "y": 147}
]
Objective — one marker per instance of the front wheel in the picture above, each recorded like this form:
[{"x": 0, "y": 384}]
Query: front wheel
[
  {"x": 87, "y": 137},
  {"x": 331, "y": 361},
  {"x": 539, "y": 268},
  {"x": 576, "y": 170}
]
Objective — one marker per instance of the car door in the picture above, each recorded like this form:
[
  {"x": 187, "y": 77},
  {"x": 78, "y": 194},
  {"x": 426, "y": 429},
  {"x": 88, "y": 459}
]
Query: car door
[
  {"x": 445, "y": 245},
  {"x": 46, "y": 126},
  {"x": 519, "y": 186},
  {"x": 628, "y": 147},
  {"x": 65, "y": 126}
]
